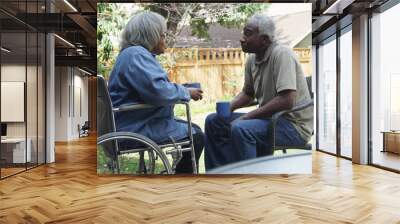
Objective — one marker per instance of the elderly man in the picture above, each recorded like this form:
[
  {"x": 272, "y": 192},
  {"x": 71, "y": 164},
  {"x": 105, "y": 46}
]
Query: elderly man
[
  {"x": 273, "y": 77},
  {"x": 137, "y": 77}
]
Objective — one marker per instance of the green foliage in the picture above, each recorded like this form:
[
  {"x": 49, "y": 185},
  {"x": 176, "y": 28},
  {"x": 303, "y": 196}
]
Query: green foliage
[
  {"x": 239, "y": 14},
  {"x": 200, "y": 27},
  {"x": 111, "y": 19}
]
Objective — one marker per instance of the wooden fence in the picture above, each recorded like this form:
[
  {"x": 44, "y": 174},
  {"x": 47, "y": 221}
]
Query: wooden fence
[
  {"x": 220, "y": 71},
  {"x": 304, "y": 56}
]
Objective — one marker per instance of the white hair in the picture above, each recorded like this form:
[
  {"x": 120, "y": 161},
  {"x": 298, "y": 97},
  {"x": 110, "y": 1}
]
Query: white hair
[
  {"x": 265, "y": 24},
  {"x": 144, "y": 29}
]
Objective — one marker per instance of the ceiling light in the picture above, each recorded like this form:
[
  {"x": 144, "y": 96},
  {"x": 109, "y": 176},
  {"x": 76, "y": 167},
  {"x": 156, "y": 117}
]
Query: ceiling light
[
  {"x": 65, "y": 41},
  {"x": 5, "y": 50},
  {"x": 70, "y": 5},
  {"x": 86, "y": 72}
]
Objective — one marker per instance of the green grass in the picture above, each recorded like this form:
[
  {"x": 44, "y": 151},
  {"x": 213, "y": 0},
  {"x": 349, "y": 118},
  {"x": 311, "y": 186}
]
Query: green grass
[
  {"x": 102, "y": 161},
  {"x": 129, "y": 163}
]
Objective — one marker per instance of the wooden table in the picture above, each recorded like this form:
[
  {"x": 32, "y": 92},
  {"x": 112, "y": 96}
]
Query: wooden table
[{"x": 391, "y": 141}]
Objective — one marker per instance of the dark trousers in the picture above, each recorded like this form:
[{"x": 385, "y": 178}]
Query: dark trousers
[{"x": 229, "y": 141}]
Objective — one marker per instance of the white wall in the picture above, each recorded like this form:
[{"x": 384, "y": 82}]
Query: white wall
[
  {"x": 61, "y": 103},
  {"x": 71, "y": 94}
]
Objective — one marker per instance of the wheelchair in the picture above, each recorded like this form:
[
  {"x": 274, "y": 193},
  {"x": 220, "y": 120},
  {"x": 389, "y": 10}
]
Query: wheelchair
[{"x": 147, "y": 151}]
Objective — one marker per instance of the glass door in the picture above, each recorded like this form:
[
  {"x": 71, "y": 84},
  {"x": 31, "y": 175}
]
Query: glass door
[
  {"x": 327, "y": 96},
  {"x": 385, "y": 89},
  {"x": 22, "y": 78},
  {"x": 14, "y": 154}
]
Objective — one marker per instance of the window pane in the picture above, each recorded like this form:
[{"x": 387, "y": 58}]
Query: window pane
[
  {"x": 31, "y": 99},
  {"x": 386, "y": 89},
  {"x": 41, "y": 98},
  {"x": 327, "y": 97},
  {"x": 346, "y": 94}
]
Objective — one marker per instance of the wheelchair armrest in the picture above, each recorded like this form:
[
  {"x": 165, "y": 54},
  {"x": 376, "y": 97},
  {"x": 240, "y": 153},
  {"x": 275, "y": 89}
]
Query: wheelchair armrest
[
  {"x": 188, "y": 116},
  {"x": 133, "y": 106},
  {"x": 299, "y": 107},
  {"x": 186, "y": 103},
  {"x": 187, "y": 106},
  {"x": 139, "y": 106}
]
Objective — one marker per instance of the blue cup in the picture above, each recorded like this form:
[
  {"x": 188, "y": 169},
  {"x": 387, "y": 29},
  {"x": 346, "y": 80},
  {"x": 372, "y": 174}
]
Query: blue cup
[
  {"x": 224, "y": 109},
  {"x": 192, "y": 85}
]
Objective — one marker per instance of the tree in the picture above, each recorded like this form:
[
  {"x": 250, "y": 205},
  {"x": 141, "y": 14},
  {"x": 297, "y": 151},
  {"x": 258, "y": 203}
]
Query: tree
[{"x": 199, "y": 16}]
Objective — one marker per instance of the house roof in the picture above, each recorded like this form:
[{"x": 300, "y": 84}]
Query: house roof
[
  {"x": 220, "y": 37},
  {"x": 290, "y": 30}
]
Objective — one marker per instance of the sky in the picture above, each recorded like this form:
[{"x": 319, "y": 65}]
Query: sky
[{"x": 287, "y": 8}]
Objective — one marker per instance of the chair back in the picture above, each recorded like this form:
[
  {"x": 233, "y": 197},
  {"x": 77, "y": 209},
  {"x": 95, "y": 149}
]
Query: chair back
[
  {"x": 309, "y": 85},
  {"x": 105, "y": 116},
  {"x": 86, "y": 126}
]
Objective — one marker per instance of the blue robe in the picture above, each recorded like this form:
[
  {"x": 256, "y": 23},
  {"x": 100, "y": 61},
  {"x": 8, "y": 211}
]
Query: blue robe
[{"x": 137, "y": 77}]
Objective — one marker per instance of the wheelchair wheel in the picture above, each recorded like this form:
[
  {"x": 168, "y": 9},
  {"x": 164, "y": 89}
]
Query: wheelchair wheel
[{"x": 147, "y": 154}]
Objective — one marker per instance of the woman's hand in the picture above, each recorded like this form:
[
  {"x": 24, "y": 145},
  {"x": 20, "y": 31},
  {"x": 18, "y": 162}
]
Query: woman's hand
[{"x": 195, "y": 93}]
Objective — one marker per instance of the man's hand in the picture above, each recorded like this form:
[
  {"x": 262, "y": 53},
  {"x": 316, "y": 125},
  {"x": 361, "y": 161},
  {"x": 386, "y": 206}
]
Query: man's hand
[
  {"x": 241, "y": 100},
  {"x": 195, "y": 93},
  {"x": 283, "y": 101},
  {"x": 243, "y": 117}
]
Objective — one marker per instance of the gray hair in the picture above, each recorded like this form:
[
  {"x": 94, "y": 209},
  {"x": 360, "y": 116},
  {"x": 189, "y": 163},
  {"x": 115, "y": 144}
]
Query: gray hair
[
  {"x": 266, "y": 26},
  {"x": 144, "y": 29}
]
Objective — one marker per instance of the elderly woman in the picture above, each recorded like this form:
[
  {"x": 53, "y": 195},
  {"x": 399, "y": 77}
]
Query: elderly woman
[{"x": 137, "y": 77}]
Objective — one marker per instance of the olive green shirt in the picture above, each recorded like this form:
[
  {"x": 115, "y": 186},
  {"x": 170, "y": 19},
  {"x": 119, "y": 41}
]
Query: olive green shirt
[{"x": 280, "y": 70}]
